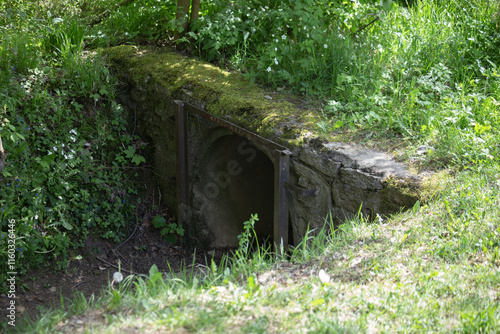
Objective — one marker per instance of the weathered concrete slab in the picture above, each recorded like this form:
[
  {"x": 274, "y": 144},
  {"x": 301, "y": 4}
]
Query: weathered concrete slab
[{"x": 363, "y": 159}]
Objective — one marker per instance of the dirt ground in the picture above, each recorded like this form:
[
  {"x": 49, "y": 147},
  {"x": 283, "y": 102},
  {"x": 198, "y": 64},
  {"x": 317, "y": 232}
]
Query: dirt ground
[{"x": 92, "y": 268}]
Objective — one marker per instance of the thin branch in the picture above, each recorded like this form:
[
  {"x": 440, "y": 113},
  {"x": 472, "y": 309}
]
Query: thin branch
[
  {"x": 115, "y": 266},
  {"x": 118, "y": 167},
  {"x": 367, "y": 25},
  {"x": 136, "y": 224}
]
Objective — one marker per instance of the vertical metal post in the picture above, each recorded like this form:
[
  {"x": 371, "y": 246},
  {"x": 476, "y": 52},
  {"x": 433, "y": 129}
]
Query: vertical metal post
[
  {"x": 281, "y": 174},
  {"x": 181, "y": 121}
]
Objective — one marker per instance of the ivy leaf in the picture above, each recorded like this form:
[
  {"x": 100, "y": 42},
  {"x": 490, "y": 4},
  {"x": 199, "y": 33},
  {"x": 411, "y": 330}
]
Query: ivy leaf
[
  {"x": 137, "y": 159},
  {"x": 129, "y": 152}
]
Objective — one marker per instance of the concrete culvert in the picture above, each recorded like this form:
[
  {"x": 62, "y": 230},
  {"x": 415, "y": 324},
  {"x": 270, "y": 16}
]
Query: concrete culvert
[
  {"x": 316, "y": 177},
  {"x": 236, "y": 179}
]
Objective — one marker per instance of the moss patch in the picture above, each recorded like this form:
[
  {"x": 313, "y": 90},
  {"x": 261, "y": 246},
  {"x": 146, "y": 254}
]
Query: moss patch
[
  {"x": 158, "y": 77},
  {"x": 223, "y": 93}
]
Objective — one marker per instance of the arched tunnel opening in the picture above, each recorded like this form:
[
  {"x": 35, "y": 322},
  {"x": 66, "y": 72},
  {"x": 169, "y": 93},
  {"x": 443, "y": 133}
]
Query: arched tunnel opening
[
  {"x": 224, "y": 179},
  {"x": 236, "y": 179}
]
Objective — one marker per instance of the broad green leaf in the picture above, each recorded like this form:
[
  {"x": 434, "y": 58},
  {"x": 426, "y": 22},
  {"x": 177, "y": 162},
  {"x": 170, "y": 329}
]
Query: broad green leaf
[
  {"x": 137, "y": 159},
  {"x": 405, "y": 236},
  {"x": 129, "y": 152},
  {"x": 317, "y": 302},
  {"x": 158, "y": 222},
  {"x": 153, "y": 270},
  {"x": 416, "y": 207},
  {"x": 387, "y": 4}
]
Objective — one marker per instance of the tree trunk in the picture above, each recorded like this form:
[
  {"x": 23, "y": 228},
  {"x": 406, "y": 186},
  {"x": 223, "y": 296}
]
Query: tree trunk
[
  {"x": 181, "y": 18},
  {"x": 195, "y": 11}
]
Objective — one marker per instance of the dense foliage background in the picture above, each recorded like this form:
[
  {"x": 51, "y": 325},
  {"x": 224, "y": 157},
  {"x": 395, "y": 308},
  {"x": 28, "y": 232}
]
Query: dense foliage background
[
  {"x": 424, "y": 70},
  {"x": 66, "y": 139}
]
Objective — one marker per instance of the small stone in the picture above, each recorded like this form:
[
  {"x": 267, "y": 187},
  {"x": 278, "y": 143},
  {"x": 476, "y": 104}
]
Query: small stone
[
  {"x": 424, "y": 149},
  {"x": 53, "y": 289},
  {"x": 267, "y": 97},
  {"x": 187, "y": 92}
]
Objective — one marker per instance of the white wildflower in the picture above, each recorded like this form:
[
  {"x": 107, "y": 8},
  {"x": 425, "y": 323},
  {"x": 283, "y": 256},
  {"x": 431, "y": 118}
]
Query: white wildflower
[
  {"x": 269, "y": 69},
  {"x": 117, "y": 277},
  {"x": 324, "y": 277}
]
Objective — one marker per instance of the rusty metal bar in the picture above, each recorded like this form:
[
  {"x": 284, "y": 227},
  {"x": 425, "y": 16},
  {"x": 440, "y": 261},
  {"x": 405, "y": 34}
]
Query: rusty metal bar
[
  {"x": 281, "y": 175},
  {"x": 182, "y": 161},
  {"x": 233, "y": 127}
]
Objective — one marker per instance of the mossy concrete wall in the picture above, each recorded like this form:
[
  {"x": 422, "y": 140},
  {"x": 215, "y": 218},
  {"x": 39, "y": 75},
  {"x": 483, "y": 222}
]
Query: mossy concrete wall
[{"x": 326, "y": 177}]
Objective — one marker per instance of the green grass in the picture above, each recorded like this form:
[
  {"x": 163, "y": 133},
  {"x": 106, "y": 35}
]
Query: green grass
[
  {"x": 423, "y": 75},
  {"x": 422, "y": 271}
]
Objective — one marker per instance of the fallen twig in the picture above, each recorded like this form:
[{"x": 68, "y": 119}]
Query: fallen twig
[
  {"x": 115, "y": 266},
  {"x": 136, "y": 224},
  {"x": 367, "y": 25}
]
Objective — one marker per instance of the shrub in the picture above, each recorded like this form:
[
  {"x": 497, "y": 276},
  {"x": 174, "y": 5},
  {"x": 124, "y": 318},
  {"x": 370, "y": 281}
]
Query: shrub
[{"x": 68, "y": 149}]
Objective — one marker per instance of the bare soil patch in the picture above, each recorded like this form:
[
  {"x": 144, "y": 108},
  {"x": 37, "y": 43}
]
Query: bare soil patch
[{"x": 43, "y": 288}]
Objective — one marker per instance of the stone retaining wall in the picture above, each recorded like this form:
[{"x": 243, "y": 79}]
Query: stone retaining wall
[{"x": 325, "y": 176}]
